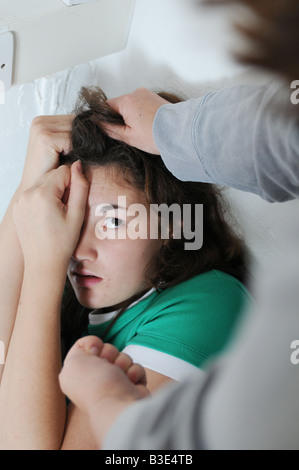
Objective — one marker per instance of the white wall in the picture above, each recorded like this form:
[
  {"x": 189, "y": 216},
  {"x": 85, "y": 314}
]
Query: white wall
[{"x": 173, "y": 45}]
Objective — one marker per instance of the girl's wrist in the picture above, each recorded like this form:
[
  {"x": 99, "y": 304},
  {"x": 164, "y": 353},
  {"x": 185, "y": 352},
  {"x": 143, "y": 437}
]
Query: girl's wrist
[
  {"x": 55, "y": 270},
  {"x": 42, "y": 287},
  {"x": 107, "y": 412}
]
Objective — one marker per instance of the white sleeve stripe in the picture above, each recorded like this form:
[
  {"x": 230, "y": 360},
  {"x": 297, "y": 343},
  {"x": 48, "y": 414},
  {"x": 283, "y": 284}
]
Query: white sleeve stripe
[{"x": 170, "y": 366}]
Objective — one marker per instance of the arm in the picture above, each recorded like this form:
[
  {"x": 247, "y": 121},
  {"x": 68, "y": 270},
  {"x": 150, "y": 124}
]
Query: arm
[
  {"x": 11, "y": 276},
  {"x": 95, "y": 365},
  {"x": 248, "y": 400},
  {"x": 243, "y": 136},
  {"x": 79, "y": 434},
  {"x": 103, "y": 392},
  {"x": 207, "y": 329},
  {"x": 29, "y": 386},
  {"x": 48, "y": 136},
  {"x": 32, "y": 407}
]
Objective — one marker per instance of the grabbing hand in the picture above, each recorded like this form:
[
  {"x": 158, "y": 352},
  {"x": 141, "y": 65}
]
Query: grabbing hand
[
  {"x": 49, "y": 217},
  {"x": 138, "y": 110},
  {"x": 94, "y": 371},
  {"x": 49, "y": 136}
]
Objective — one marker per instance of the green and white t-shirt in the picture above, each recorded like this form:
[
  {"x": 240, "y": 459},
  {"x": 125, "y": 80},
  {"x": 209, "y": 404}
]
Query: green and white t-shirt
[{"x": 176, "y": 331}]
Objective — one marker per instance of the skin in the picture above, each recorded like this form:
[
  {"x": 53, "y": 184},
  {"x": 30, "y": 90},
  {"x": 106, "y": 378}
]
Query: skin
[
  {"x": 40, "y": 223},
  {"x": 102, "y": 382},
  {"x": 138, "y": 110},
  {"x": 48, "y": 136},
  {"x": 113, "y": 260},
  {"x": 32, "y": 407}
]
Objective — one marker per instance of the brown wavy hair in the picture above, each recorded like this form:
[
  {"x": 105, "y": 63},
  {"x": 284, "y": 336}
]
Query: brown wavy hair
[{"x": 222, "y": 248}]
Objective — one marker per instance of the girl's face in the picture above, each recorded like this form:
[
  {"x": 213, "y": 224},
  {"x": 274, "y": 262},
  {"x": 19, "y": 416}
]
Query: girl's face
[{"x": 108, "y": 266}]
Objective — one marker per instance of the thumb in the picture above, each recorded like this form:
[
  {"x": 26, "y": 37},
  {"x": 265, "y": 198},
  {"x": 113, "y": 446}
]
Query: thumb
[
  {"x": 118, "y": 132},
  {"x": 78, "y": 192}
]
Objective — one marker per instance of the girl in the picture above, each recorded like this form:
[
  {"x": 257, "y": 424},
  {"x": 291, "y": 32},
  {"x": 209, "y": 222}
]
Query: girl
[{"x": 169, "y": 308}]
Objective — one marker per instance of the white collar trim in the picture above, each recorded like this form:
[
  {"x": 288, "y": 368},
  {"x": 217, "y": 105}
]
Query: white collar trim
[{"x": 99, "y": 318}]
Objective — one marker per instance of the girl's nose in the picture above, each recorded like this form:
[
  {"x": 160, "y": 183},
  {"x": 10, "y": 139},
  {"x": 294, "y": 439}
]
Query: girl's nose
[{"x": 86, "y": 246}]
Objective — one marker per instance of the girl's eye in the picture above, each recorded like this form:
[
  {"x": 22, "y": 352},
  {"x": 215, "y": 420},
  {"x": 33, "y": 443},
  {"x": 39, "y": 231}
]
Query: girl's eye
[{"x": 113, "y": 222}]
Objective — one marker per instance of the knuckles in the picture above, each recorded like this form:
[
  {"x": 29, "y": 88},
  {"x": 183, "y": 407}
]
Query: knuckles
[
  {"x": 31, "y": 200},
  {"x": 40, "y": 125}
]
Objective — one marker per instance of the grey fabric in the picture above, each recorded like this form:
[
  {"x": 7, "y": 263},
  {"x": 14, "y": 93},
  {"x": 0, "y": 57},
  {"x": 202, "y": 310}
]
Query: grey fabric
[
  {"x": 161, "y": 428},
  {"x": 243, "y": 138}
]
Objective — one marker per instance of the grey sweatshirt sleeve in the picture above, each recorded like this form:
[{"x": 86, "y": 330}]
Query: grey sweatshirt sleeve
[
  {"x": 155, "y": 423},
  {"x": 244, "y": 136},
  {"x": 249, "y": 399}
]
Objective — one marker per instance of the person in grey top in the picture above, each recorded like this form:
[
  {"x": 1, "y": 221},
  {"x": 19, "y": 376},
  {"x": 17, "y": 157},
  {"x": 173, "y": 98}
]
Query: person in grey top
[{"x": 246, "y": 137}]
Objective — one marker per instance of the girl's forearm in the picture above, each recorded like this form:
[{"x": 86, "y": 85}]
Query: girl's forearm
[
  {"x": 32, "y": 407},
  {"x": 104, "y": 415},
  {"x": 11, "y": 275}
]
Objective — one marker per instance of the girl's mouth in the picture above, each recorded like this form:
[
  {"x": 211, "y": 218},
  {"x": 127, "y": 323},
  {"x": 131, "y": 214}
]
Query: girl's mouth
[{"x": 85, "y": 280}]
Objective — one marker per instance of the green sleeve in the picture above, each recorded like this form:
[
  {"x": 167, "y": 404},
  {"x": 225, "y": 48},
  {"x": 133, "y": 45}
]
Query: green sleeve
[{"x": 194, "y": 320}]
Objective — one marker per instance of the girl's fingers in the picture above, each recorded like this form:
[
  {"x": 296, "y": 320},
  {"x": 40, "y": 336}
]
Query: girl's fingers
[
  {"x": 90, "y": 344},
  {"x": 109, "y": 352},
  {"x": 78, "y": 192},
  {"x": 49, "y": 137},
  {"x": 72, "y": 180},
  {"x": 61, "y": 142},
  {"x": 59, "y": 179},
  {"x": 95, "y": 346},
  {"x": 123, "y": 361},
  {"x": 57, "y": 123},
  {"x": 136, "y": 374}
]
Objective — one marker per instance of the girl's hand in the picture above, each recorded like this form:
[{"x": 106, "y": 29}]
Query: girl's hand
[
  {"x": 49, "y": 136},
  {"x": 94, "y": 371},
  {"x": 49, "y": 217}
]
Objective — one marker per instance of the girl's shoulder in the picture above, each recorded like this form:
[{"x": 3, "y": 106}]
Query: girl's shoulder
[
  {"x": 213, "y": 283},
  {"x": 194, "y": 319}
]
